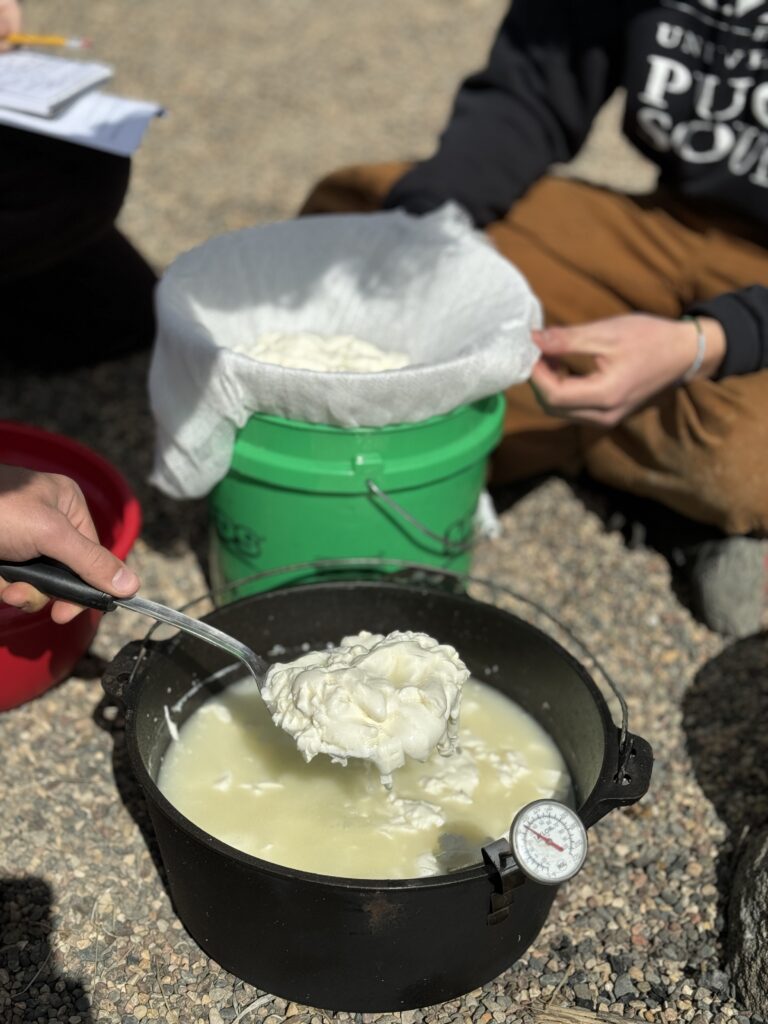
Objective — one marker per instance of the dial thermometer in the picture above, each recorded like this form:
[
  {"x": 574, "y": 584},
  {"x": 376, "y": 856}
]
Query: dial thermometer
[{"x": 549, "y": 841}]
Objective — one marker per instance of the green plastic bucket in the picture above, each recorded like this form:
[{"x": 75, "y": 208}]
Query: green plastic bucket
[{"x": 300, "y": 492}]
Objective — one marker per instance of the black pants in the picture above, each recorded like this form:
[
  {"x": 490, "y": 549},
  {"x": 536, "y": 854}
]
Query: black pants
[{"x": 73, "y": 290}]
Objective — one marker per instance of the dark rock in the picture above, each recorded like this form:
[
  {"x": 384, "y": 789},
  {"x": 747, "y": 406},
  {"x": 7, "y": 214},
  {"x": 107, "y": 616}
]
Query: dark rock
[
  {"x": 620, "y": 962},
  {"x": 624, "y": 986},
  {"x": 549, "y": 979},
  {"x": 583, "y": 996},
  {"x": 747, "y": 941},
  {"x": 717, "y": 981}
]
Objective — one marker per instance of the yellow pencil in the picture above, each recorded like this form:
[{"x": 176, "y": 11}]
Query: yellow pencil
[{"x": 27, "y": 39}]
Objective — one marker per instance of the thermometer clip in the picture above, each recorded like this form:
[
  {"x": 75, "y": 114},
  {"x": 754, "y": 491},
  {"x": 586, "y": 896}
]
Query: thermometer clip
[{"x": 547, "y": 843}]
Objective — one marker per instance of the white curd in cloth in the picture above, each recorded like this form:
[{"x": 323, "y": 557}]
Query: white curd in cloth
[
  {"x": 244, "y": 781},
  {"x": 374, "y": 697},
  {"x": 337, "y": 353}
]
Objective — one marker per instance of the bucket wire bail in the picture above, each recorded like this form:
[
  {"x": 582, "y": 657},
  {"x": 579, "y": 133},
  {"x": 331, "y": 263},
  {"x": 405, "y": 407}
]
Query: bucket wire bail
[
  {"x": 426, "y": 575},
  {"x": 450, "y": 547}
]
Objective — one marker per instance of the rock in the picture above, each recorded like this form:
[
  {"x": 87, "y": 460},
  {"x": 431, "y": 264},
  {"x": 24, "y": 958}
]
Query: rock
[
  {"x": 583, "y": 996},
  {"x": 549, "y": 979},
  {"x": 727, "y": 584},
  {"x": 620, "y": 962},
  {"x": 624, "y": 986},
  {"x": 747, "y": 941},
  {"x": 716, "y": 980}
]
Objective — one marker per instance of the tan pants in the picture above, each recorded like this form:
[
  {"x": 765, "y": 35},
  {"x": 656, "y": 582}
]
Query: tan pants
[{"x": 590, "y": 253}]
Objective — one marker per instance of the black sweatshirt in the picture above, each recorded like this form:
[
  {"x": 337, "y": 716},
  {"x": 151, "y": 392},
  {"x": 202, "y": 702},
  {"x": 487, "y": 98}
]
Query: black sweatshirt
[{"x": 696, "y": 75}]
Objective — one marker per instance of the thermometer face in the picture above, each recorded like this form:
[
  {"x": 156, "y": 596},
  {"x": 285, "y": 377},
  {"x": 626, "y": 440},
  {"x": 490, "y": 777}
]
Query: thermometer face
[{"x": 549, "y": 841}]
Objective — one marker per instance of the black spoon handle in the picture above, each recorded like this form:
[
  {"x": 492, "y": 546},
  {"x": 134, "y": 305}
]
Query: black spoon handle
[{"x": 57, "y": 581}]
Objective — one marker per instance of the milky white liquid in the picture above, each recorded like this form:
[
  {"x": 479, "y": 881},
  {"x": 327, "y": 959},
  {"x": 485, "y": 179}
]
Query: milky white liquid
[{"x": 240, "y": 778}]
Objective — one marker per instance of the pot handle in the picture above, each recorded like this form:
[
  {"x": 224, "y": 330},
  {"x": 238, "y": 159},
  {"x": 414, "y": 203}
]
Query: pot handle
[
  {"x": 119, "y": 674},
  {"x": 626, "y": 786}
]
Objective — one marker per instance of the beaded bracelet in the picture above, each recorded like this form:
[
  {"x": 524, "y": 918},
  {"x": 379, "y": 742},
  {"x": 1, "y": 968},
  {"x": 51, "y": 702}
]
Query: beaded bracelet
[{"x": 701, "y": 350}]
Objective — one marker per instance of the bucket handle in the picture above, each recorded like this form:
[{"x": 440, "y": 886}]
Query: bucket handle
[{"x": 450, "y": 547}]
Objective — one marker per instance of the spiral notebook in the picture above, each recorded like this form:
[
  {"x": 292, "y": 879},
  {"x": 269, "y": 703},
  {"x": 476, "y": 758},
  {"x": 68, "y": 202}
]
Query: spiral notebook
[{"x": 42, "y": 84}]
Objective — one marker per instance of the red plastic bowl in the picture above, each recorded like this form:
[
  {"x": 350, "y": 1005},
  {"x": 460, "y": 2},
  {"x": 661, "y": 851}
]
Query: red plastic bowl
[{"x": 35, "y": 653}]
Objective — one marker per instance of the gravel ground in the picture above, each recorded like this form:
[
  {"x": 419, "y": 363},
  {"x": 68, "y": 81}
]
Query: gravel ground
[{"x": 262, "y": 99}]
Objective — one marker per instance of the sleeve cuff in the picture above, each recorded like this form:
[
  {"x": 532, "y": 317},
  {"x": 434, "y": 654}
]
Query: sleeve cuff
[
  {"x": 421, "y": 191},
  {"x": 744, "y": 348},
  {"x": 411, "y": 202}
]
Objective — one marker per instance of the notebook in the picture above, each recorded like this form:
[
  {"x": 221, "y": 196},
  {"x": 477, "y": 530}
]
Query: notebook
[
  {"x": 109, "y": 123},
  {"x": 39, "y": 84}
]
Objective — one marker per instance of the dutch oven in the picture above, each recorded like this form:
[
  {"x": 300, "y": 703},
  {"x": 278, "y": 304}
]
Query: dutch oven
[{"x": 359, "y": 944}]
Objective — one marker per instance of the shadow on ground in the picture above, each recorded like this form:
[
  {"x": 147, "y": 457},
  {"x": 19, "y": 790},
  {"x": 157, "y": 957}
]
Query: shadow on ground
[
  {"x": 724, "y": 714},
  {"x": 34, "y": 989},
  {"x": 108, "y": 715},
  {"x": 641, "y": 522}
]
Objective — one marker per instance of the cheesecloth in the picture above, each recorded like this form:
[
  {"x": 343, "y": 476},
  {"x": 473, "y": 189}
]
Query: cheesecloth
[{"x": 431, "y": 286}]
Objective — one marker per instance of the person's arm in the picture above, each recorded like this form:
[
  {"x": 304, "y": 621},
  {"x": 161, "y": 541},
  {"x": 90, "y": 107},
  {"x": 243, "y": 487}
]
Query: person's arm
[
  {"x": 744, "y": 317},
  {"x": 552, "y": 66},
  {"x": 46, "y": 514},
  {"x": 10, "y": 21}
]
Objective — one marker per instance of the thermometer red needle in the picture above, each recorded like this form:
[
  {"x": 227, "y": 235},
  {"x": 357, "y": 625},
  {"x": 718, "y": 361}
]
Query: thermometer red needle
[{"x": 546, "y": 839}]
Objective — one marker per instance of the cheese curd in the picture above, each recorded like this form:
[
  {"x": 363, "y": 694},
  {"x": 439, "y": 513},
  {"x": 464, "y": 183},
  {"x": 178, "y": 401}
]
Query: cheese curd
[
  {"x": 337, "y": 353},
  {"x": 378, "y": 698}
]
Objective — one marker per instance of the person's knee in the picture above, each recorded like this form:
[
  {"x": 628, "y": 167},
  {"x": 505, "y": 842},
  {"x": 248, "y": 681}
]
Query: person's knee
[
  {"x": 726, "y": 441},
  {"x": 357, "y": 189},
  {"x": 731, "y": 482},
  {"x": 699, "y": 451}
]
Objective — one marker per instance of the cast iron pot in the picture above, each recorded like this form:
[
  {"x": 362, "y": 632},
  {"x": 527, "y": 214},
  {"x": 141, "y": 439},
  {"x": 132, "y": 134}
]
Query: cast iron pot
[{"x": 352, "y": 944}]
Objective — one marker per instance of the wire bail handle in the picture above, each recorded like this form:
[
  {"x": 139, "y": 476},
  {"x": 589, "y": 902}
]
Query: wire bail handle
[
  {"x": 428, "y": 575},
  {"x": 450, "y": 547}
]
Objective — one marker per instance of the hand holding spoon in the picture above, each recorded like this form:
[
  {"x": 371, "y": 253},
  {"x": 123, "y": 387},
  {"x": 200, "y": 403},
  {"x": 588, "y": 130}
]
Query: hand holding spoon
[{"x": 57, "y": 581}]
